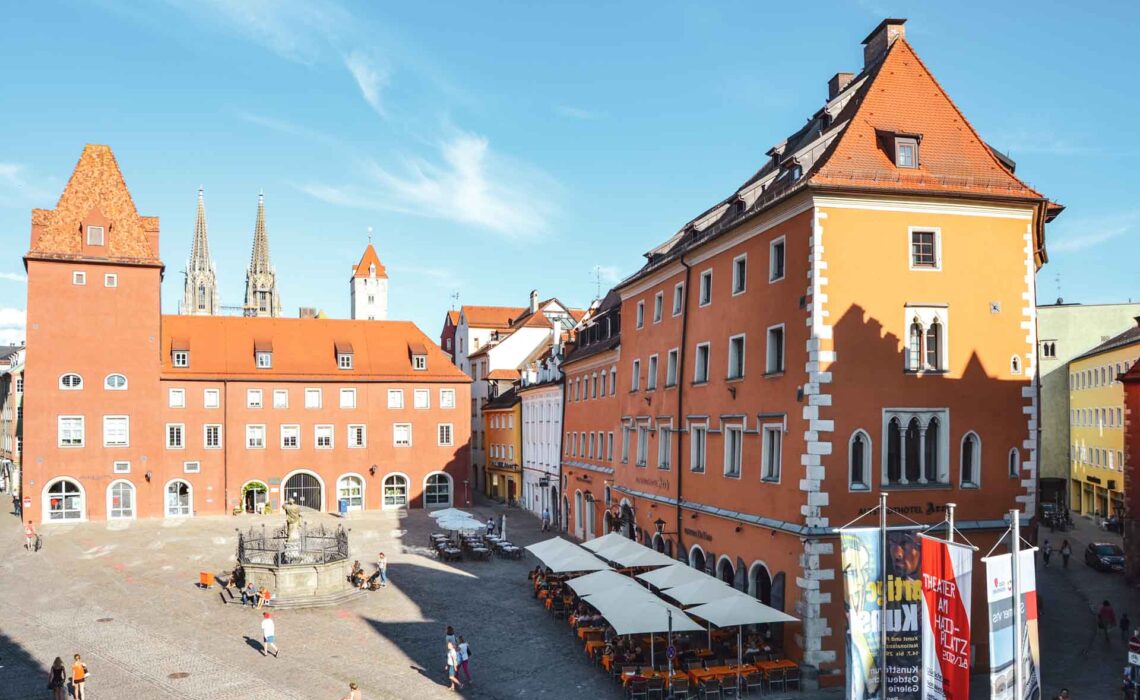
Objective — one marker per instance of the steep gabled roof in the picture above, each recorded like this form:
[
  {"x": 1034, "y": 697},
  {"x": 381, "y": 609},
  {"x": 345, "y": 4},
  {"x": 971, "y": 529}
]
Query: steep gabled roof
[
  {"x": 95, "y": 193},
  {"x": 491, "y": 316},
  {"x": 367, "y": 260}
]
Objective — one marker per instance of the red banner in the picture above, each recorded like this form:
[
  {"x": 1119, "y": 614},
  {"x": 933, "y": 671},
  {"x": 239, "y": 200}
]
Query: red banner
[{"x": 946, "y": 575}]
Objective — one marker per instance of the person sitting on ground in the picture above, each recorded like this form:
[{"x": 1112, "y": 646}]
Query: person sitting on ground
[
  {"x": 263, "y": 597},
  {"x": 249, "y": 595},
  {"x": 357, "y": 575}
]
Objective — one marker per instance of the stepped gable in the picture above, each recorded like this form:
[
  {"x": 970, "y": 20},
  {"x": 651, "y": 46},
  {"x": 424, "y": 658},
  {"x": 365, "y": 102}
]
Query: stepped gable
[{"x": 95, "y": 194}]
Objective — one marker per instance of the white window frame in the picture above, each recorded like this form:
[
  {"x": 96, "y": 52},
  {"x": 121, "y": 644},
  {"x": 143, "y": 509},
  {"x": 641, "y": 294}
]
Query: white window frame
[
  {"x": 395, "y": 399},
  {"x": 924, "y": 415},
  {"x": 82, "y": 429},
  {"x": 211, "y": 398},
  {"x": 658, "y": 306},
  {"x": 121, "y": 466},
  {"x": 180, "y": 358},
  {"x": 925, "y": 316},
  {"x": 671, "y": 367},
  {"x": 704, "y": 300},
  {"x": 738, "y": 457},
  {"x": 254, "y": 398},
  {"x": 937, "y": 231},
  {"x": 639, "y": 314},
  {"x": 357, "y": 436},
  {"x": 868, "y": 461},
  {"x": 781, "y": 242},
  {"x": 678, "y": 298},
  {"x": 344, "y": 360},
  {"x": 126, "y": 431},
  {"x": 635, "y": 380},
  {"x": 766, "y": 474},
  {"x": 176, "y": 398},
  {"x": 290, "y": 430},
  {"x": 642, "y": 456},
  {"x": 249, "y": 442},
  {"x": 439, "y": 430},
  {"x": 91, "y": 232},
  {"x": 419, "y": 362},
  {"x": 421, "y": 399},
  {"x": 110, "y": 280},
  {"x": 769, "y": 358},
  {"x": 348, "y": 398},
  {"x": 651, "y": 373},
  {"x": 264, "y": 359},
  {"x": 280, "y": 398},
  {"x": 395, "y": 440},
  {"x": 976, "y": 483},
  {"x": 78, "y": 386},
  {"x": 194, "y": 467},
  {"x": 321, "y": 432},
  {"x": 700, "y": 377},
  {"x": 181, "y": 427},
  {"x": 698, "y": 448},
  {"x": 447, "y": 398},
  {"x": 664, "y": 446},
  {"x": 739, "y": 281},
  {"x": 206, "y": 436},
  {"x": 625, "y": 435},
  {"x": 743, "y": 350},
  {"x": 310, "y": 393},
  {"x": 79, "y": 278}
]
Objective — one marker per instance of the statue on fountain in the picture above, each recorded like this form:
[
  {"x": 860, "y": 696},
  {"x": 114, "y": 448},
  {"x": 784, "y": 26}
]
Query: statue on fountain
[{"x": 292, "y": 520}]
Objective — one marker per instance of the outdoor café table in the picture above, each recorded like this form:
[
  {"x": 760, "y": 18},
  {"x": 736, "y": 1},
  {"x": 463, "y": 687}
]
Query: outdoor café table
[
  {"x": 703, "y": 653},
  {"x": 583, "y": 631},
  {"x": 770, "y": 668},
  {"x": 627, "y": 678},
  {"x": 481, "y": 552},
  {"x": 593, "y": 645},
  {"x": 696, "y": 675}
]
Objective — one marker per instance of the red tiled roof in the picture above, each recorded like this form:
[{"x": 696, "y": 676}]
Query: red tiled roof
[
  {"x": 366, "y": 261},
  {"x": 453, "y": 317},
  {"x": 223, "y": 346},
  {"x": 506, "y": 374},
  {"x": 491, "y": 316}
]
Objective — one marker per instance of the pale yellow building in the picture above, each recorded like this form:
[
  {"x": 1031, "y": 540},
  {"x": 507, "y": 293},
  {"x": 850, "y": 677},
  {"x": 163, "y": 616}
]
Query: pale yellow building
[{"x": 1096, "y": 419}]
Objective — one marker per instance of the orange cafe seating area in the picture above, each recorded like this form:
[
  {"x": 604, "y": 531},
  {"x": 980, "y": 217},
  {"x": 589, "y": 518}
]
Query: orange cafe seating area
[{"x": 628, "y": 605}]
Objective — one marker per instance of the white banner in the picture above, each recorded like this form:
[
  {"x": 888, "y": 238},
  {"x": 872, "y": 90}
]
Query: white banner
[{"x": 999, "y": 595}]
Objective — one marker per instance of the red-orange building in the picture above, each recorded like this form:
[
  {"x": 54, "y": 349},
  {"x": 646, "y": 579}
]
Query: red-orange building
[
  {"x": 857, "y": 317},
  {"x": 1131, "y": 529},
  {"x": 135, "y": 414}
]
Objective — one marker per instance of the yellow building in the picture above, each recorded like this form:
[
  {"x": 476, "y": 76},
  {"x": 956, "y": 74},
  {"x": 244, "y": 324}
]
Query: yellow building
[
  {"x": 502, "y": 425},
  {"x": 1096, "y": 418}
]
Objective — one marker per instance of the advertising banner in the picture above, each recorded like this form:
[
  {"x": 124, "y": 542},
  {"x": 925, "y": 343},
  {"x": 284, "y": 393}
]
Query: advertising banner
[
  {"x": 869, "y": 605},
  {"x": 999, "y": 596},
  {"x": 947, "y": 570}
]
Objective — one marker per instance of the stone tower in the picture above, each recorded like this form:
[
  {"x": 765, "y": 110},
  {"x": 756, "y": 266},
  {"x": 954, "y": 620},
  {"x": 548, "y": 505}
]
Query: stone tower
[
  {"x": 200, "y": 295},
  {"x": 261, "y": 297},
  {"x": 369, "y": 287}
]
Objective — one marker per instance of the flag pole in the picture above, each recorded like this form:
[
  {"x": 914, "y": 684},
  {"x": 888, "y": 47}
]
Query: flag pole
[
  {"x": 1015, "y": 566},
  {"x": 883, "y": 558},
  {"x": 950, "y": 521}
]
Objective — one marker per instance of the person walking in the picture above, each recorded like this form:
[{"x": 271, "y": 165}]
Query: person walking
[
  {"x": 449, "y": 637},
  {"x": 1106, "y": 619},
  {"x": 1066, "y": 552},
  {"x": 79, "y": 678},
  {"x": 30, "y": 537},
  {"x": 464, "y": 650},
  {"x": 57, "y": 680},
  {"x": 490, "y": 525},
  {"x": 453, "y": 666},
  {"x": 545, "y": 519},
  {"x": 353, "y": 692},
  {"x": 268, "y": 635},
  {"x": 382, "y": 569},
  {"x": 1125, "y": 628},
  {"x": 1046, "y": 552}
]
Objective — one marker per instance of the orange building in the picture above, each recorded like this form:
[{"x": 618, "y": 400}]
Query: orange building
[
  {"x": 827, "y": 332},
  {"x": 502, "y": 419},
  {"x": 592, "y": 416},
  {"x": 136, "y": 414}
]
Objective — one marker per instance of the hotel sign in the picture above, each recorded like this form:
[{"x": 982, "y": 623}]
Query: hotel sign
[
  {"x": 698, "y": 534},
  {"x": 657, "y": 483}
]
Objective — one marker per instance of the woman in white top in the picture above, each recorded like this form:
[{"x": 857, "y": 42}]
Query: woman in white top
[
  {"x": 452, "y": 665},
  {"x": 464, "y": 655}
]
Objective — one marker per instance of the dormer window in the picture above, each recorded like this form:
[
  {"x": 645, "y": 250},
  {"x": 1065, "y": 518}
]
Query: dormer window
[
  {"x": 264, "y": 360},
  {"x": 95, "y": 235},
  {"x": 343, "y": 354},
  {"x": 418, "y": 353},
  {"x": 263, "y": 354},
  {"x": 419, "y": 362},
  {"x": 906, "y": 152},
  {"x": 180, "y": 358}
]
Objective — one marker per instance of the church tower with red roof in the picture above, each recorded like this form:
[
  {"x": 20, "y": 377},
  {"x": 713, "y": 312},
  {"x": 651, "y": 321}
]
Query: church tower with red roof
[{"x": 369, "y": 287}]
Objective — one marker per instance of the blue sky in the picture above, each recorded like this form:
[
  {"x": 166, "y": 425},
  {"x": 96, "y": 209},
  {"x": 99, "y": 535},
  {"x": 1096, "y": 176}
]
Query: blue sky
[{"x": 499, "y": 147}]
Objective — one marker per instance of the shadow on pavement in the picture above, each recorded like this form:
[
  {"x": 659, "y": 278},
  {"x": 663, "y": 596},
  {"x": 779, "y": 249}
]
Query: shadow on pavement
[{"x": 21, "y": 675}]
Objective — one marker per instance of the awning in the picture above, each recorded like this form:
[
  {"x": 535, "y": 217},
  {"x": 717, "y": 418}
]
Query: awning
[
  {"x": 697, "y": 592},
  {"x": 632, "y": 554},
  {"x": 634, "y": 610},
  {"x": 599, "y": 581},
  {"x": 673, "y": 576},
  {"x": 740, "y": 609},
  {"x": 605, "y": 541}
]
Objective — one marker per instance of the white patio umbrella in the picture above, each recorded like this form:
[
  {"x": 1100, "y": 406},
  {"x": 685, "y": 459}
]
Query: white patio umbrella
[
  {"x": 605, "y": 541},
  {"x": 634, "y": 610},
  {"x": 739, "y": 609},
  {"x": 449, "y": 512},
  {"x": 464, "y": 524},
  {"x": 697, "y": 592},
  {"x": 599, "y": 582},
  {"x": 503, "y": 528},
  {"x": 561, "y": 556},
  {"x": 630, "y": 553},
  {"x": 673, "y": 576}
]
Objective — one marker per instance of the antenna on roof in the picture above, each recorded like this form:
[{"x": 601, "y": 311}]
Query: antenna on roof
[
  {"x": 597, "y": 281},
  {"x": 454, "y": 299},
  {"x": 1057, "y": 279}
]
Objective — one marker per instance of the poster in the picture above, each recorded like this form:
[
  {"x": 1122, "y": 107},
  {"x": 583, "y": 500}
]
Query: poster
[
  {"x": 999, "y": 596},
  {"x": 864, "y": 590},
  {"x": 947, "y": 570}
]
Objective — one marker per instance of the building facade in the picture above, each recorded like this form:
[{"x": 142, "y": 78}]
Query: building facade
[
  {"x": 369, "y": 288},
  {"x": 184, "y": 415},
  {"x": 502, "y": 417},
  {"x": 447, "y": 334},
  {"x": 822, "y": 335},
  {"x": 1130, "y": 524},
  {"x": 592, "y": 419},
  {"x": 1096, "y": 425},
  {"x": 540, "y": 391},
  {"x": 11, "y": 417},
  {"x": 1064, "y": 332}
]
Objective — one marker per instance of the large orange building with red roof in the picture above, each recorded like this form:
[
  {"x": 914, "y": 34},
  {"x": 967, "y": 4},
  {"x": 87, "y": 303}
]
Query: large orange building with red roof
[
  {"x": 137, "y": 414},
  {"x": 858, "y": 317}
]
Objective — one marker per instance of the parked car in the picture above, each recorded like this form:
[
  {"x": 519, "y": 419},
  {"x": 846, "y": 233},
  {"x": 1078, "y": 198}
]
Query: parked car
[{"x": 1104, "y": 556}]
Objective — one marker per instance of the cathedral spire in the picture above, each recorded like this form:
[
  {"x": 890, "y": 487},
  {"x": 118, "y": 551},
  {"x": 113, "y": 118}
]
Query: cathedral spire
[
  {"x": 261, "y": 298},
  {"x": 200, "y": 294}
]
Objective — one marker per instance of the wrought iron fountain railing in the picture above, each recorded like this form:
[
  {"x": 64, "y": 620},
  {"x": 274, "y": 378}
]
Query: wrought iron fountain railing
[{"x": 312, "y": 545}]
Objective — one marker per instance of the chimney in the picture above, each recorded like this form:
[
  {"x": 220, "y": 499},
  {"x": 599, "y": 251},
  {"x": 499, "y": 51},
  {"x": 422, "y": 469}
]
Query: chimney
[
  {"x": 878, "y": 41},
  {"x": 534, "y": 301},
  {"x": 837, "y": 84}
]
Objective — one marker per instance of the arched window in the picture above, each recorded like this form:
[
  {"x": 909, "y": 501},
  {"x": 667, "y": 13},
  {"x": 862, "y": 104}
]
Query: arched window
[
  {"x": 913, "y": 454},
  {"x": 914, "y": 357},
  {"x": 1015, "y": 365},
  {"x": 970, "y": 452},
  {"x": 1014, "y": 463},
  {"x": 70, "y": 381},
  {"x": 930, "y": 466},
  {"x": 934, "y": 345},
  {"x": 350, "y": 487},
  {"x": 578, "y": 514},
  {"x": 179, "y": 499},
  {"x": 437, "y": 490},
  {"x": 894, "y": 451},
  {"x": 63, "y": 500},
  {"x": 859, "y": 459},
  {"x": 121, "y": 500},
  {"x": 115, "y": 382},
  {"x": 395, "y": 491}
]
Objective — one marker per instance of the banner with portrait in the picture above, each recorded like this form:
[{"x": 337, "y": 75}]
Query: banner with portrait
[
  {"x": 869, "y": 605},
  {"x": 947, "y": 570},
  {"x": 999, "y": 596}
]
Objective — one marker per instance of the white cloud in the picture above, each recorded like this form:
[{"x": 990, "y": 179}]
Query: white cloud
[
  {"x": 12, "y": 325},
  {"x": 1094, "y": 232},
  {"x": 576, "y": 112},
  {"x": 468, "y": 184},
  {"x": 13, "y": 277},
  {"x": 369, "y": 78},
  {"x": 17, "y": 190}
]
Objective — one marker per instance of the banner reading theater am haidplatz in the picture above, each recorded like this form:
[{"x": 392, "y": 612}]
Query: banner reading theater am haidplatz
[{"x": 947, "y": 569}]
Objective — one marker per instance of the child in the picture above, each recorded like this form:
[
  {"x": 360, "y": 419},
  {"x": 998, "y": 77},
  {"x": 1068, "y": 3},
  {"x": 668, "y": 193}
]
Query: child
[{"x": 268, "y": 635}]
